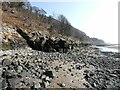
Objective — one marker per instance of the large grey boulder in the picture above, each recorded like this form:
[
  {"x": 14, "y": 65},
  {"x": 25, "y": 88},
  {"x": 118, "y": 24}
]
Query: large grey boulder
[{"x": 6, "y": 62}]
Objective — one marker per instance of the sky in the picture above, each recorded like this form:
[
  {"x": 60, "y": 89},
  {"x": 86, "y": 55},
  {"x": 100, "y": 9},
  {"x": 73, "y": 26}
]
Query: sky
[{"x": 97, "y": 18}]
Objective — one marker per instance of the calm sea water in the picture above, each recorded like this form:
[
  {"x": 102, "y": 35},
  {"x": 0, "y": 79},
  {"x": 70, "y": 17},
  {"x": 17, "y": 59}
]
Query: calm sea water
[{"x": 110, "y": 48}]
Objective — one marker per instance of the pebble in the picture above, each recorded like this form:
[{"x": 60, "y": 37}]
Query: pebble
[
  {"x": 20, "y": 68},
  {"x": 86, "y": 85},
  {"x": 70, "y": 70},
  {"x": 37, "y": 85},
  {"x": 43, "y": 77},
  {"x": 62, "y": 84},
  {"x": 47, "y": 79},
  {"x": 46, "y": 84},
  {"x": 78, "y": 67}
]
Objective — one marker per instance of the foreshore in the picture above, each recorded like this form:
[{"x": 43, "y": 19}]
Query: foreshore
[{"x": 82, "y": 67}]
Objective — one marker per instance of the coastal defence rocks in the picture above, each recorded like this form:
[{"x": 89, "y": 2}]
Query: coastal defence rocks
[{"x": 82, "y": 67}]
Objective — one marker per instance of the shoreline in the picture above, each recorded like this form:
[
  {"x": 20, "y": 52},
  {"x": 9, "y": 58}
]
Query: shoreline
[
  {"x": 109, "y": 48},
  {"x": 82, "y": 67}
]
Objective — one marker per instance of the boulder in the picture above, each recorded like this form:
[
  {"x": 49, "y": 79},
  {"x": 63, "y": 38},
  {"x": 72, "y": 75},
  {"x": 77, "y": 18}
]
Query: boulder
[
  {"x": 44, "y": 43},
  {"x": 49, "y": 73},
  {"x": 9, "y": 74},
  {"x": 13, "y": 81},
  {"x": 6, "y": 62},
  {"x": 3, "y": 84}
]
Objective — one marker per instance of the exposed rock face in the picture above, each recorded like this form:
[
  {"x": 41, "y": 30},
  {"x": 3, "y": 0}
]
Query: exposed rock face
[
  {"x": 10, "y": 39},
  {"x": 45, "y": 43}
]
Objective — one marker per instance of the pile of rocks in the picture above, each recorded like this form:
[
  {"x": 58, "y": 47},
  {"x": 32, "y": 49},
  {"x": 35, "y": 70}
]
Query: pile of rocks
[
  {"x": 44, "y": 43},
  {"x": 24, "y": 73}
]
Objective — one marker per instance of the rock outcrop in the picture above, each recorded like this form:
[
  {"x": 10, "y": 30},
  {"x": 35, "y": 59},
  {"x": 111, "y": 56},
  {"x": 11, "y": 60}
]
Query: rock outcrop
[{"x": 45, "y": 43}]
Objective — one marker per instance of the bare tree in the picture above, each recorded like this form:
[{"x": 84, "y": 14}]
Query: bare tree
[
  {"x": 50, "y": 18},
  {"x": 27, "y": 5},
  {"x": 35, "y": 10},
  {"x": 65, "y": 26},
  {"x": 43, "y": 12}
]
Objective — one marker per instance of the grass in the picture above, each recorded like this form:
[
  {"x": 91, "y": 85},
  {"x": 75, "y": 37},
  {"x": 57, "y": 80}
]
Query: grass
[{"x": 6, "y": 46}]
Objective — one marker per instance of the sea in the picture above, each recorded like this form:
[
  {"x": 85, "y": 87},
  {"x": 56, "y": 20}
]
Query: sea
[{"x": 110, "y": 48}]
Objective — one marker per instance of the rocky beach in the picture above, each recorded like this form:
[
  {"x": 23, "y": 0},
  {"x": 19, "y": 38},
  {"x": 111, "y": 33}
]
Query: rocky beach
[
  {"x": 82, "y": 67},
  {"x": 40, "y": 52}
]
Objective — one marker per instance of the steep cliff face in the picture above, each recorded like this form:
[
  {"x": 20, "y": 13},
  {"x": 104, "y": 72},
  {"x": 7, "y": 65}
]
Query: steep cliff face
[
  {"x": 97, "y": 41},
  {"x": 85, "y": 38}
]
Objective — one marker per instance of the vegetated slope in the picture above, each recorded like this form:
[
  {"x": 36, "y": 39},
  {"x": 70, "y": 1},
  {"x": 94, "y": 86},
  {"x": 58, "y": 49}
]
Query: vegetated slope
[{"x": 29, "y": 22}]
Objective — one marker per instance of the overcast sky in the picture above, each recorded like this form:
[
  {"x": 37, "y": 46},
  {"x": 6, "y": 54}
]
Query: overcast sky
[{"x": 97, "y": 18}]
